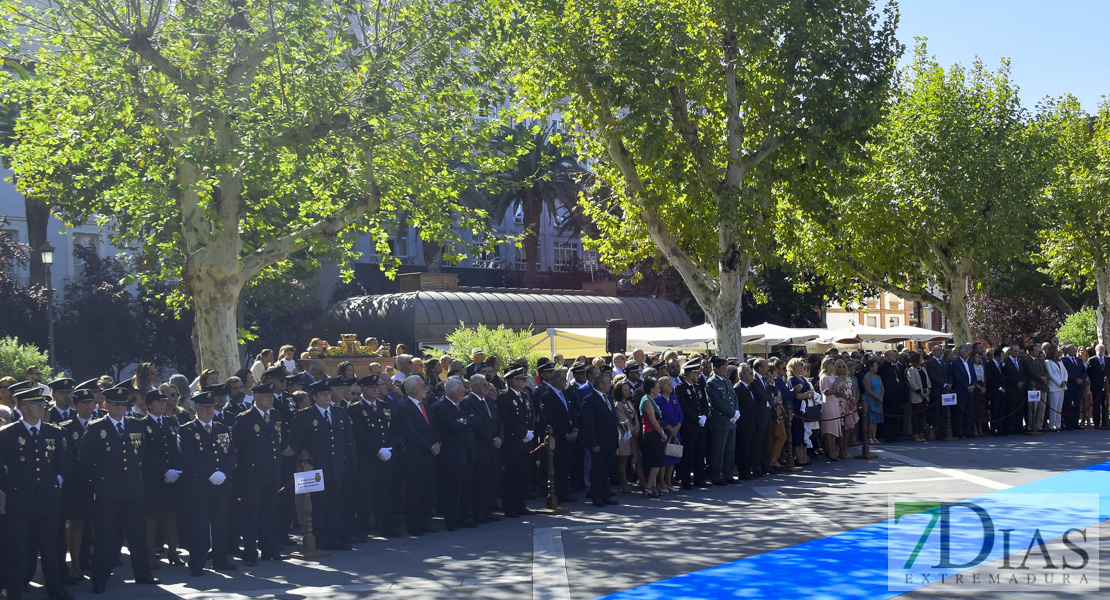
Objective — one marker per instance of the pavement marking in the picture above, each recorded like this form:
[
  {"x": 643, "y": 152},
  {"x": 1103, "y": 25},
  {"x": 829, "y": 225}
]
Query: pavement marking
[
  {"x": 864, "y": 480},
  {"x": 977, "y": 480},
  {"x": 799, "y": 509},
  {"x": 549, "y": 562}
]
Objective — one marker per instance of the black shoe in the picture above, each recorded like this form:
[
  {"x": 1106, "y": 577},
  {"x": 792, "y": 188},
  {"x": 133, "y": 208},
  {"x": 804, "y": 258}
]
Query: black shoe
[
  {"x": 62, "y": 595},
  {"x": 416, "y": 532},
  {"x": 612, "y": 501},
  {"x": 468, "y": 524},
  {"x": 390, "y": 532},
  {"x": 687, "y": 486},
  {"x": 355, "y": 539},
  {"x": 493, "y": 517},
  {"x": 482, "y": 521},
  {"x": 567, "y": 499},
  {"x": 525, "y": 511},
  {"x": 272, "y": 557},
  {"x": 600, "y": 503},
  {"x": 99, "y": 589},
  {"x": 289, "y": 542},
  {"x": 149, "y": 581},
  {"x": 431, "y": 528},
  {"x": 196, "y": 572},
  {"x": 250, "y": 562},
  {"x": 224, "y": 567},
  {"x": 512, "y": 515},
  {"x": 720, "y": 482},
  {"x": 338, "y": 547},
  {"x": 452, "y": 527}
]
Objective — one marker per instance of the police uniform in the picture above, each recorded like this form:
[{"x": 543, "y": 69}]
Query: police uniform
[
  {"x": 77, "y": 495},
  {"x": 161, "y": 470},
  {"x": 61, "y": 385},
  {"x": 723, "y": 406},
  {"x": 33, "y": 457},
  {"x": 111, "y": 457},
  {"x": 208, "y": 460},
  {"x": 519, "y": 420},
  {"x": 695, "y": 405},
  {"x": 326, "y": 435},
  {"x": 258, "y": 439},
  {"x": 223, "y": 414},
  {"x": 371, "y": 422}
]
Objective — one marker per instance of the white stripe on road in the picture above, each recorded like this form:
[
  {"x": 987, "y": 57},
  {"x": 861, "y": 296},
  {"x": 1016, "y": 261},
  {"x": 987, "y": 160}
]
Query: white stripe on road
[
  {"x": 977, "y": 480},
  {"x": 799, "y": 509},
  {"x": 549, "y": 562}
]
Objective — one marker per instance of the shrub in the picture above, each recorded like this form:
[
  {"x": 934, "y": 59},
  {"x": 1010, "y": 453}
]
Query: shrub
[
  {"x": 506, "y": 344},
  {"x": 16, "y": 357},
  {"x": 1080, "y": 328}
]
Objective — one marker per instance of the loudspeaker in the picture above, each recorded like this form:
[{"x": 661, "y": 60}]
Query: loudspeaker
[{"x": 616, "y": 336}]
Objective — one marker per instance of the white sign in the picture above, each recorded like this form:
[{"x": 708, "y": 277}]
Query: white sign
[
  {"x": 309, "y": 481},
  {"x": 1034, "y": 396},
  {"x": 948, "y": 399}
]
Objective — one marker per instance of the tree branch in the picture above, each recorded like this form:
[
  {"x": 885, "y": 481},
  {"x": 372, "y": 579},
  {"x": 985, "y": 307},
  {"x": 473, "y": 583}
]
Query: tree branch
[
  {"x": 899, "y": 291},
  {"x": 680, "y": 113},
  {"x": 145, "y": 50},
  {"x": 308, "y": 133}
]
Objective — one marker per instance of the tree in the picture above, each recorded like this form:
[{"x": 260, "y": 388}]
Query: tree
[
  {"x": 227, "y": 136},
  {"x": 97, "y": 322},
  {"x": 1080, "y": 328},
  {"x": 15, "y": 357},
  {"x": 1076, "y": 238},
  {"x": 692, "y": 112},
  {"x": 1007, "y": 321},
  {"x": 946, "y": 192},
  {"x": 22, "y": 309}
]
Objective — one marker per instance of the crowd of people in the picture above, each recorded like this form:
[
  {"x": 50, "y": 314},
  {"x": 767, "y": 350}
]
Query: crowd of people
[{"x": 208, "y": 465}]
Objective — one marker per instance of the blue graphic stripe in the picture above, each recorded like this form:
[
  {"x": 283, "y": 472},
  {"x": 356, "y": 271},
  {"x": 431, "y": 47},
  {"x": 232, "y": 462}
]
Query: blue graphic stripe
[{"x": 854, "y": 564}]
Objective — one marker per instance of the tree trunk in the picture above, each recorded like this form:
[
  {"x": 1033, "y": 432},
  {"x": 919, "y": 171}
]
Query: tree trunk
[
  {"x": 38, "y": 219},
  {"x": 724, "y": 314},
  {"x": 956, "y": 310},
  {"x": 215, "y": 290},
  {"x": 1102, "y": 313},
  {"x": 532, "y": 208}
]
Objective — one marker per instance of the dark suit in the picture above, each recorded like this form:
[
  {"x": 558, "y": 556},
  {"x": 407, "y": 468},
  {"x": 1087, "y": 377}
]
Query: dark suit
[
  {"x": 563, "y": 418},
  {"x": 258, "y": 478},
  {"x": 487, "y": 458},
  {"x": 747, "y": 430},
  {"x": 114, "y": 466},
  {"x": 1014, "y": 380},
  {"x": 996, "y": 394},
  {"x": 373, "y": 430},
  {"x": 330, "y": 448},
  {"x": 203, "y": 453},
  {"x": 691, "y": 470},
  {"x": 33, "y": 465},
  {"x": 1073, "y": 396},
  {"x": 599, "y": 430},
  {"x": 963, "y": 377},
  {"x": 895, "y": 397},
  {"x": 1096, "y": 371},
  {"x": 518, "y": 417},
  {"x": 416, "y": 436},
  {"x": 940, "y": 376},
  {"x": 58, "y": 416},
  {"x": 1035, "y": 379},
  {"x": 455, "y": 462}
]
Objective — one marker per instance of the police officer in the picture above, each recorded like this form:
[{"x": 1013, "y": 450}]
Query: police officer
[
  {"x": 161, "y": 470},
  {"x": 208, "y": 460},
  {"x": 61, "y": 390},
  {"x": 724, "y": 411},
  {"x": 695, "y": 413},
  {"x": 519, "y": 420},
  {"x": 371, "y": 421},
  {"x": 32, "y": 452},
  {"x": 257, "y": 436},
  {"x": 93, "y": 386},
  {"x": 111, "y": 456},
  {"x": 219, "y": 397},
  {"x": 324, "y": 431},
  {"x": 77, "y": 495}
]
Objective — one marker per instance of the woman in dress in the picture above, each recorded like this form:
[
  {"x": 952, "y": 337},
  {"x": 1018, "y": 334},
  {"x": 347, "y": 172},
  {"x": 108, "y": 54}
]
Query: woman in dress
[
  {"x": 831, "y": 386},
  {"x": 671, "y": 421},
  {"x": 804, "y": 397},
  {"x": 873, "y": 395},
  {"x": 979, "y": 415},
  {"x": 632, "y": 411},
  {"x": 848, "y": 405},
  {"x": 653, "y": 438},
  {"x": 626, "y": 421},
  {"x": 1057, "y": 384}
]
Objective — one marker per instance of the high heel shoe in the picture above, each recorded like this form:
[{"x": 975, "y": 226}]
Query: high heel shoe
[{"x": 175, "y": 560}]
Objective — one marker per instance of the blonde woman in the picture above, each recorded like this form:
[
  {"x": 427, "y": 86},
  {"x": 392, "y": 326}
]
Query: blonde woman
[
  {"x": 804, "y": 397},
  {"x": 831, "y": 391}
]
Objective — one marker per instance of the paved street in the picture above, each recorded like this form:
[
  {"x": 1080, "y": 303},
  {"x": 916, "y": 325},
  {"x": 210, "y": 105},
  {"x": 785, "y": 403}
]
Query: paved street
[{"x": 591, "y": 553}]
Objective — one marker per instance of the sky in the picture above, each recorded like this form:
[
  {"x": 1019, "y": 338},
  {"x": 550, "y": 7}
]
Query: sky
[{"x": 1054, "y": 46}]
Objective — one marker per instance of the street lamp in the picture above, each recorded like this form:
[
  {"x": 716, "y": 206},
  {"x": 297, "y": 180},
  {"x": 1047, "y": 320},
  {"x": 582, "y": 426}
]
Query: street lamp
[
  {"x": 893, "y": 322},
  {"x": 47, "y": 252}
]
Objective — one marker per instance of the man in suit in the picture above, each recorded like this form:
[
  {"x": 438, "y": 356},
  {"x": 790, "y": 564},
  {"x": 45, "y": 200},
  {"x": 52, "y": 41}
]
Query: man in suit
[
  {"x": 520, "y": 437},
  {"x": 477, "y": 359},
  {"x": 419, "y": 450},
  {"x": 996, "y": 390},
  {"x": 489, "y": 433},
  {"x": 323, "y": 430},
  {"x": 61, "y": 391},
  {"x": 32, "y": 454},
  {"x": 371, "y": 420},
  {"x": 259, "y": 442},
  {"x": 1077, "y": 386},
  {"x": 1096, "y": 371},
  {"x": 599, "y": 434},
  {"x": 763, "y": 387},
  {"x": 695, "y": 411},
  {"x": 111, "y": 457},
  {"x": 1036, "y": 379},
  {"x": 940, "y": 376},
  {"x": 1014, "y": 382},
  {"x": 724, "y": 411},
  {"x": 748, "y": 424},
  {"x": 963, "y": 381},
  {"x": 562, "y": 414},
  {"x": 895, "y": 394},
  {"x": 455, "y": 463},
  {"x": 208, "y": 460}
]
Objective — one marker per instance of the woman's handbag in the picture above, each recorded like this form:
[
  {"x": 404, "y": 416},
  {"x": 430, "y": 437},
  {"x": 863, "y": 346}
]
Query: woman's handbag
[
  {"x": 813, "y": 413},
  {"x": 673, "y": 449}
]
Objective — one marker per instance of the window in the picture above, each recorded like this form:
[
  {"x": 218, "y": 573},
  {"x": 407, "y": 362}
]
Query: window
[
  {"x": 520, "y": 261},
  {"x": 872, "y": 321},
  {"x": 895, "y": 321},
  {"x": 398, "y": 248},
  {"x": 565, "y": 254},
  {"x": 88, "y": 240},
  {"x": 485, "y": 258},
  {"x": 518, "y": 214}
]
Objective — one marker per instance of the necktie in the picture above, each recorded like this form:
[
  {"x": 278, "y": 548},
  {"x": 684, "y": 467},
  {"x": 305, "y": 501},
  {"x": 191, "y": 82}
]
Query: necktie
[
  {"x": 158, "y": 420},
  {"x": 119, "y": 428},
  {"x": 608, "y": 402},
  {"x": 65, "y": 415},
  {"x": 486, "y": 404},
  {"x": 34, "y": 434},
  {"x": 208, "y": 428},
  {"x": 423, "y": 412},
  {"x": 266, "y": 417},
  {"x": 327, "y": 417}
]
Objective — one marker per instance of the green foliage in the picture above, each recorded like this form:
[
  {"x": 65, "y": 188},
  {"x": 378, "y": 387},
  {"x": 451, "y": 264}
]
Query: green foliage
[
  {"x": 506, "y": 344},
  {"x": 1080, "y": 328},
  {"x": 15, "y": 357}
]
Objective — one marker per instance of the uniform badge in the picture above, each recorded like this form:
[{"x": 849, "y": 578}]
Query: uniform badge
[
  {"x": 224, "y": 440},
  {"x": 277, "y": 426},
  {"x": 198, "y": 435},
  {"x": 136, "y": 441},
  {"x": 315, "y": 423},
  {"x": 22, "y": 441},
  {"x": 257, "y": 428},
  {"x": 76, "y": 435},
  {"x": 150, "y": 431},
  {"x": 103, "y": 433}
]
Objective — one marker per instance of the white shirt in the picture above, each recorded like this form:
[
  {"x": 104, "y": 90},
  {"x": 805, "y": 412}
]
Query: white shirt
[
  {"x": 264, "y": 413},
  {"x": 325, "y": 412},
  {"x": 116, "y": 424},
  {"x": 37, "y": 426},
  {"x": 559, "y": 394},
  {"x": 398, "y": 376}
]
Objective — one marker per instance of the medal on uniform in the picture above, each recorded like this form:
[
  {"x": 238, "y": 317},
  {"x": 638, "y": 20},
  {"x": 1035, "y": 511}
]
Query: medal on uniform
[
  {"x": 257, "y": 428},
  {"x": 22, "y": 441},
  {"x": 150, "y": 431},
  {"x": 76, "y": 435},
  {"x": 277, "y": 426},
  {"x": 223, "y": 440},
  {"x": 136, "y": 441},
  {"x": 198, "y": 435},
  {"x": 103, "y": 433},
  {"x": 315, "y": 423}
]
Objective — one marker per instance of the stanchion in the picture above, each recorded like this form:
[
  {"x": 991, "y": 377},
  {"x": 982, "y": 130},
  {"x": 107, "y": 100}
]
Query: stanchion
[
  {"x": 948, "y": 424},
  {"x": 308, "y": 549},
  {"x": 553, "y": 507},
  {"x": 1105, "y": 408},
  {"x": 865, "y": 450},
  {"x": 843, "y": 437},
  {"x": 789, "y": 425}
]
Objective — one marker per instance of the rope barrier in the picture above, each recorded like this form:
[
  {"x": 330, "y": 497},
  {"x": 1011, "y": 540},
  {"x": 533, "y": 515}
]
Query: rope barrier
[
  {"x": 837, "y": 418},
  {"x": 899, "y": 416}
]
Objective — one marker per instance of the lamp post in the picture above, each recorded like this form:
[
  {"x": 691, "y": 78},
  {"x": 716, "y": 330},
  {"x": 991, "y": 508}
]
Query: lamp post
[{"x": 47, "y": 252}]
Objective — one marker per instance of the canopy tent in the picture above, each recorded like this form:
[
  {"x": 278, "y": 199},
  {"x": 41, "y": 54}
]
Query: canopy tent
[
  {"x": 691, "y": 338},
  {"x": 776, "y": 335},
  {"x": 572, "y": 341},
  {"x": 856, "y": 335},
  {"x": 915, "y": 334}
]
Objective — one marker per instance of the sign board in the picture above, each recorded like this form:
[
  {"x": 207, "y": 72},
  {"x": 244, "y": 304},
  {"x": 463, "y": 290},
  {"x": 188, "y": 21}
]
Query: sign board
[
  {"x": 309, "y": 481},
  {"x": 948, "y": 399},
  {"x": 1034, "y": 396}
]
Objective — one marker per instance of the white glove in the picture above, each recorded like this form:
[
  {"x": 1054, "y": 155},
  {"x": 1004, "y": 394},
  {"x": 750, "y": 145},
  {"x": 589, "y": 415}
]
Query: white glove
[
  {"x": 59, "y": 481},
  {"x": 385, "y": 453},
  {"x": 627, "y": 435},
  {"x": 172, "y": 475},
  {"x": 287, "y": 452},
  {"x": 217, "y": 478},
  {"x": 701, "y": 421},
  {"x": 736, "y": 416},
  {"x": 528, "y": 435}
]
